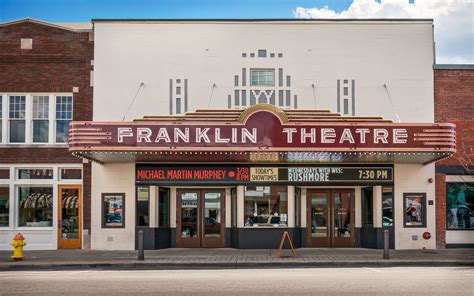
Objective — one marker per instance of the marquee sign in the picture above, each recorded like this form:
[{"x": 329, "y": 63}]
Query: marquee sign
[
  {"x": 262, "y": 134},
  {"x": 187, "y": 175},
  {"x": 260, "y": 130}
]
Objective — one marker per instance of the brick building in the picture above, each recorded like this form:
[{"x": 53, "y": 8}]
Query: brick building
[
  {"x": 454, "y": 102},
  {"x": 45, "y": 82}
]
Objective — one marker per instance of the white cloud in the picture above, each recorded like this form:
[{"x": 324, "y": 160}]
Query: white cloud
[{"x": 453, "y": 20}]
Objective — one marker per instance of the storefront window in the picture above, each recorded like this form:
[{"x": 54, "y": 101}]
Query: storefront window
[
  {"x": 35, "y": 206},
  {"x": 71, "y": 174},
  {"x": 35, "y": 174},
  {"x": 4, "y": 206},
  {"x": 367, "y": 207},
  {"x": 387, "y": 206},
  {"x": 460, "y": 205},
  {"x": 113, "y": 210},
  {"x": 143, "y": 197},
  {"x": 414, "y": 205},
  {"x": 4, "y": 174},
  {"x": 164, "y": 208},
  {"x": 266, "y": 206}
]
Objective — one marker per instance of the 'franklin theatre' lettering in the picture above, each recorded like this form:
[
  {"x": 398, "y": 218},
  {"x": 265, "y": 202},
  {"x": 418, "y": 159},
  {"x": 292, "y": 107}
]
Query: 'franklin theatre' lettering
[
  {"x": 186, "y": 135},
  {"x": 345, "y": 136}
]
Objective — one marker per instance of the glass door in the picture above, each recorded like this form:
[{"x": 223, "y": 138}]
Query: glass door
[
  {"x": 318, "y": 218},
  {"x": 213, "y": 219},
  {"x": 70, "y": 217},
  {"x": 343, "y": 235},
  {"x": 187, "y": 232},
  {"x": 201, "y": 220},
  {"x": 330, "y": 218}
]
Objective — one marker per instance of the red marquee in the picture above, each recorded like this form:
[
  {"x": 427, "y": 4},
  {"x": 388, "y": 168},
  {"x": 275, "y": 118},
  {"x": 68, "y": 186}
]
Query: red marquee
[{"x": 261, "y": 128}]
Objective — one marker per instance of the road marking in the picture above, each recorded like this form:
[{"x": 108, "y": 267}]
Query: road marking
[
  {"x": 79, "y": 271},
  {"x": 372, "y": 269}
]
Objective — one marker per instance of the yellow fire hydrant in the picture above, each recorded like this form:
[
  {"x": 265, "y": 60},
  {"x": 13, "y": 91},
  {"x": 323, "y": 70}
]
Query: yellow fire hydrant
[{"x": 18, "y": 244}]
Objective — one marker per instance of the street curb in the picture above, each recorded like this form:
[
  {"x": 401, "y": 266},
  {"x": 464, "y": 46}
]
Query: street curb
[{"x": 227, "y": 265}]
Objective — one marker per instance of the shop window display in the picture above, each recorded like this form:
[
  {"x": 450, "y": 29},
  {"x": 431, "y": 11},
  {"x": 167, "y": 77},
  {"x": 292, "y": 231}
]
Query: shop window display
[
  {"x": 387, "y": 206},
  {"x": 35, "y": 206},
  {"x": 4, "y": 206},
  {"x": 32, "y": 174},
  {"x": 143, "y": 196},
  {"x": 415, "y": 209},
  {"x": 460, "y": 205},
  {"x": 266, "y": 206},
  {"x": 71, "y": 174},
  {"x": 113, "y": 210}
]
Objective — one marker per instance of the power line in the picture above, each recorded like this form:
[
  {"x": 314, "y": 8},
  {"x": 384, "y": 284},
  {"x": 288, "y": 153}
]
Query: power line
[
  {"x": 210, "y": 97},
  {"x": 391, "y": 103},
  {"x": 314, "y": 94},
  {"x": 133, "y": 100}
]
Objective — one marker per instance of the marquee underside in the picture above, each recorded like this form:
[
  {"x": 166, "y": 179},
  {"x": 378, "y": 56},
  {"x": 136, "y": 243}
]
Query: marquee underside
[{"x": 262, "y": 157}]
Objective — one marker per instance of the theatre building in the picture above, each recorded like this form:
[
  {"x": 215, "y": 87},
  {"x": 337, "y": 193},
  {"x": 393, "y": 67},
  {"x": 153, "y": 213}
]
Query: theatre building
[
  {"x": 226, "y": 133},
  {"x": 44, "y": 85},
  {"x": 240, "y": 178}
]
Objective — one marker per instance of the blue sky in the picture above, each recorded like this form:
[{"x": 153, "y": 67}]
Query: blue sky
[{"x": 84, "y": 10}]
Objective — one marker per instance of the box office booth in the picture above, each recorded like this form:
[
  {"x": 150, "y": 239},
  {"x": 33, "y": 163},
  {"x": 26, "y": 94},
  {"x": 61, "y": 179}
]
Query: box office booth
[{"x": 240, "y": 178}]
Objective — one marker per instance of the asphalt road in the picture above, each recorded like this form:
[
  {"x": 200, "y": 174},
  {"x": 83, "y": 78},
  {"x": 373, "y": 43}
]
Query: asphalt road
[{"x": 315, "y": 281}]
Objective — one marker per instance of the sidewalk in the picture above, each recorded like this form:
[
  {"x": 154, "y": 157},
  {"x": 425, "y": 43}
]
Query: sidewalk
[{"x": 233, "y": 258}]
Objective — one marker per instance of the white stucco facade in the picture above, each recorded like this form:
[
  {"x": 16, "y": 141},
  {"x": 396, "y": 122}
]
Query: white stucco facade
[
  {"x": 208, "y": 55},
  {"x": 414, "y": 178},
  {"x": 113, "y": 178},
  {"x": 358, "y": 68}
]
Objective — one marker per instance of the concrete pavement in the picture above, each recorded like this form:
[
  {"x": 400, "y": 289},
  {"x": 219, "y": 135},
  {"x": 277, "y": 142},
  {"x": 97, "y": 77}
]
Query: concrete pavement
[
  {"x": 308, "y": 281},
  {"x": 233, "y": 258}
]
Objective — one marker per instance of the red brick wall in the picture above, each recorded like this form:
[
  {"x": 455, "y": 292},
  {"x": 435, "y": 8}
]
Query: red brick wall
[
  {"x": 59, "y": 60},
  {"x": 454, "y": 103},
  {"x": 440, "y": 210}
]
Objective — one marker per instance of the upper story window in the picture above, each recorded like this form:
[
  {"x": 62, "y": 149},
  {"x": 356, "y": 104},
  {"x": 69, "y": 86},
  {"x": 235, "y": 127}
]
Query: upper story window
[
  {"x": 262, "y": 77},
  {"x": 63, "y": 117},
  {"x": 40, "y": 119},
  {"x": 35, "y": 118},
  {"x": 17, "y": 116}
]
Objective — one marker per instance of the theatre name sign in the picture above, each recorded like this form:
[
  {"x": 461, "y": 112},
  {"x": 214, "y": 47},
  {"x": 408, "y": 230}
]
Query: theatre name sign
[{"x": 261, "y": 131}]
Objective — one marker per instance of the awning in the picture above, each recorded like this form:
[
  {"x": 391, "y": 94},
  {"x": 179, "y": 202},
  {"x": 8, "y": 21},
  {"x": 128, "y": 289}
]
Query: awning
[{"x": 262, "y": 134}]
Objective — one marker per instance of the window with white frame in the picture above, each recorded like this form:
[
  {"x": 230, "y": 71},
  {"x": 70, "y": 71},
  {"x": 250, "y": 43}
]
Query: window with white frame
[
  {"x": 262, "y": 77},
  {"x": 4, "y": 205},
  {"x": 35, "y": 118},
  {"x": 70, "y": 174},
  {"x": 40, "y": 119},
  {"x": 17, "y": 115},
  {"x": 63, "y": 117},
  {"x": 35, "y": 206}
]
